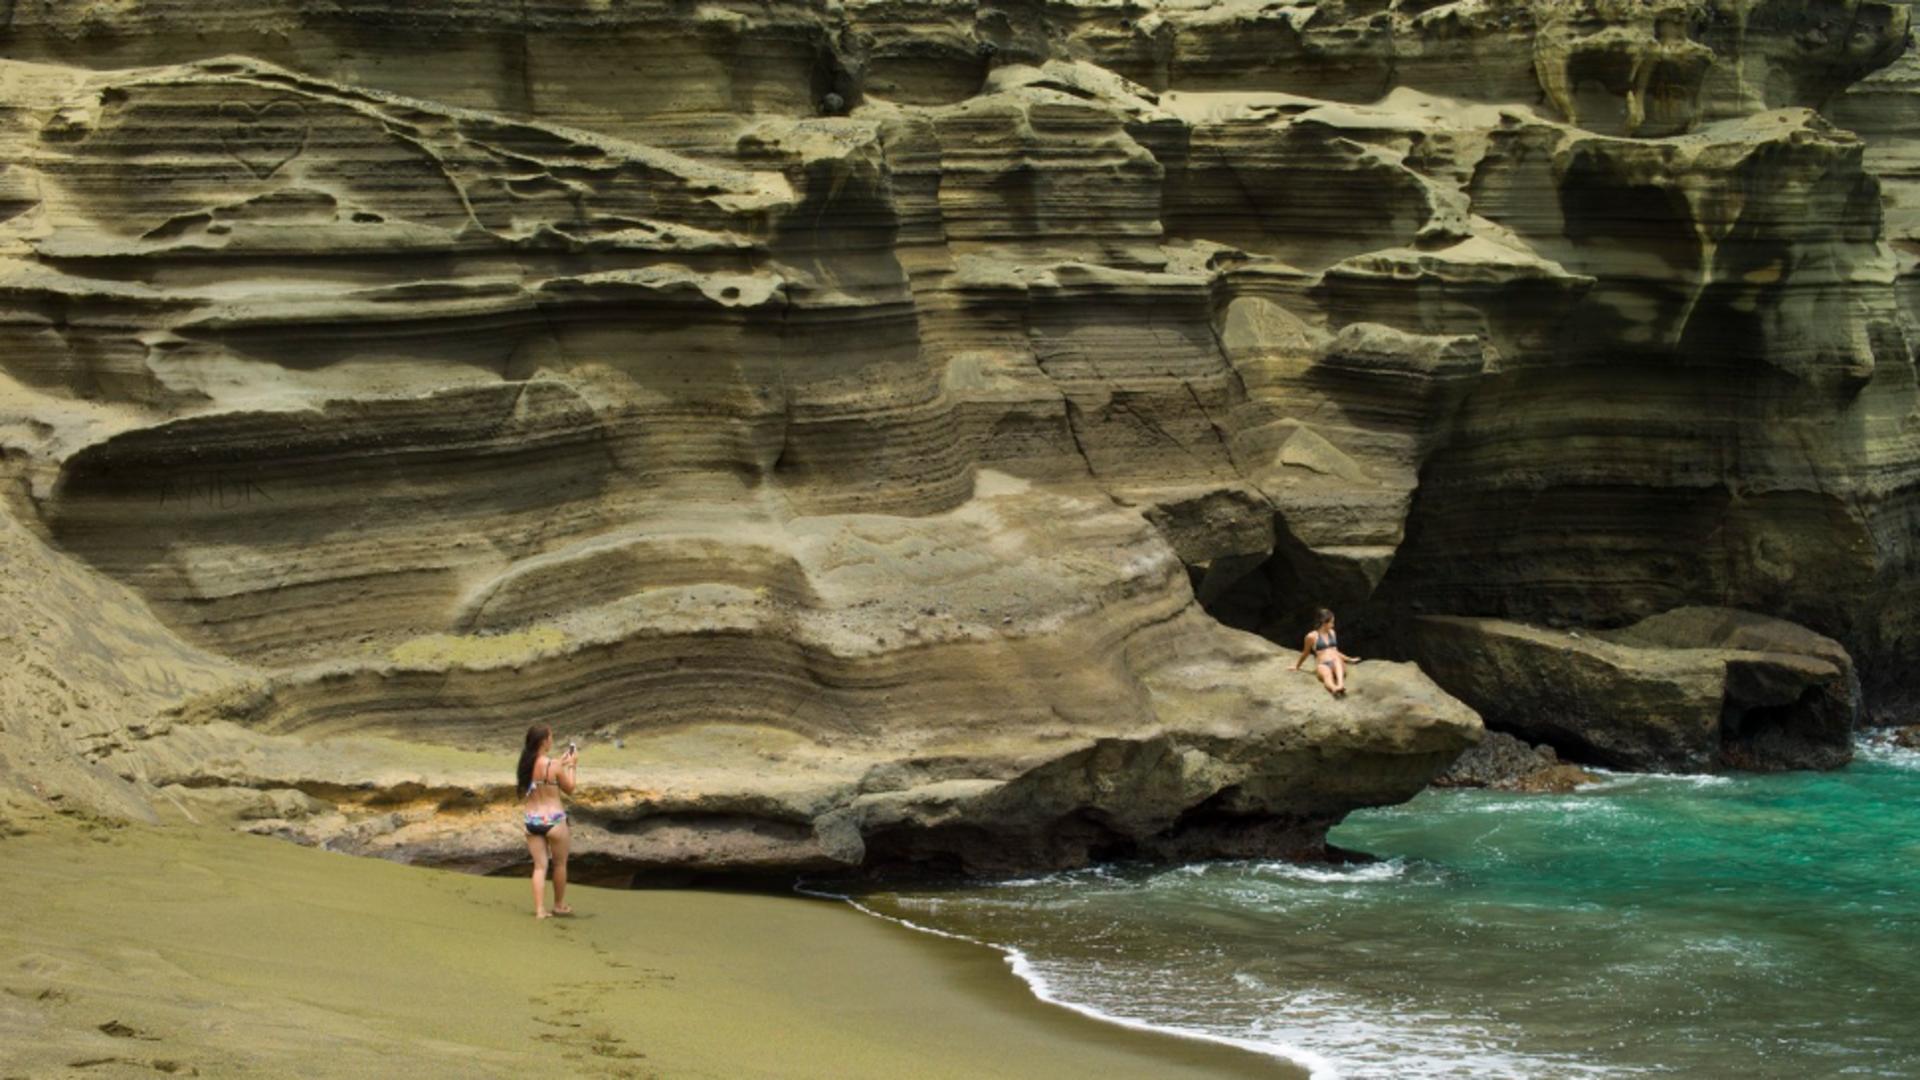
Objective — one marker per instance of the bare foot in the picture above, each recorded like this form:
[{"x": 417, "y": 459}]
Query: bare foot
[
  {"x": 541, "y": 915},
  {"x": 562, "y": 909}
]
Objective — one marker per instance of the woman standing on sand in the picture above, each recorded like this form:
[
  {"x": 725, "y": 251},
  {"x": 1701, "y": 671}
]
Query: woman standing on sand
[
  {"x": 1331, "y": 664},
  {"x": 542, "y": 779}
]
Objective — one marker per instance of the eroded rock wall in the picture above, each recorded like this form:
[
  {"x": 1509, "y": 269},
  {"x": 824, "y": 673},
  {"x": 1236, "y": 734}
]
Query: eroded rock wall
[{"x": 869, "y": 414}]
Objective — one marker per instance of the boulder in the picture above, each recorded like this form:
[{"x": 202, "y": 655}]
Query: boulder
[
  {"x": 1505, "y": 763},
  {"x": 1691, "y": 690}
]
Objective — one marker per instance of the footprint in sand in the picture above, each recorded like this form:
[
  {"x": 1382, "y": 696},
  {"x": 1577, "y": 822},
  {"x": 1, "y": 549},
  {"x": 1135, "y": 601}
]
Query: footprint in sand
[
  {"x": 607, "y": 956},
  {"x": 599, "y": 1041},
  {"x": 644, "y": 977},
  {"x": 42, "y": 965},
  {"x": 122, "y": 1031},
  {"x": 608, "y": 1045},
  {"x": 48, "y": 994},
  {"x": 603, "y": 1045},
  {"x": 172, "y": 1068}
]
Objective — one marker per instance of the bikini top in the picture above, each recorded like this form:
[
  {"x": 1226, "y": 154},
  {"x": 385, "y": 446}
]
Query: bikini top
[
  {"x": 1325, "y": 641},
  {"x": 536, "y": 782}
]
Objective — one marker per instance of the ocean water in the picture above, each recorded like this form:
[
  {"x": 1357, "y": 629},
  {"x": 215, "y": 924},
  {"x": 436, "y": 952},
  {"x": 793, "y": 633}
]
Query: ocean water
[{"x": 1746, "y": 926}]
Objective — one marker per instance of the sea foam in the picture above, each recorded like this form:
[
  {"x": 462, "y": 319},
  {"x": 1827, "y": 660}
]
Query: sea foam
[{"x": 1042, "y": 987}]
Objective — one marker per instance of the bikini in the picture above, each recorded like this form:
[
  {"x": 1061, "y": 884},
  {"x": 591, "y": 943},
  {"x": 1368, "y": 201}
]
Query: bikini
[
  {"x": 540, "y": 824},
  {"x": 1321, "y": 643}
]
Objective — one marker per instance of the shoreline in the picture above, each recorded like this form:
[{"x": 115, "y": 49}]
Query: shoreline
[
  {"x": 1306, "y": 1063},
  {"x": 193, "y": 950}
]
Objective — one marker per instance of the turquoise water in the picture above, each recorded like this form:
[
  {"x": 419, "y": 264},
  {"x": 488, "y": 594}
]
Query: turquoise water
[{"x": 1754, "y": 926}]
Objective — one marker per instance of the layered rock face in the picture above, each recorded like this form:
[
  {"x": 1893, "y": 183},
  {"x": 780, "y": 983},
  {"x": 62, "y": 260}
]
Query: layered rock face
[{"x": 869, "y": 414}]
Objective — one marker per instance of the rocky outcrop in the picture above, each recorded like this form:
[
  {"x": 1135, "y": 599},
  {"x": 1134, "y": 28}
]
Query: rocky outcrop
[
  {"x": 1219, "y": 775},
  {"x": 1505, "y": 763},
  {"x": 871, "y": 692},
  {"x": 86, "y": 665},
  {"x": 1694, "y": 689},
  {"x": 911, "y": 392}
]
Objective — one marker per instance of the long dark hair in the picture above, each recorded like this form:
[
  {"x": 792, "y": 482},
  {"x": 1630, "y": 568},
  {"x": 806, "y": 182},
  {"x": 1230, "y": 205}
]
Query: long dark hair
[
  {"x": 1320, "y": 618},
  {"x": 536, "y": 737}
]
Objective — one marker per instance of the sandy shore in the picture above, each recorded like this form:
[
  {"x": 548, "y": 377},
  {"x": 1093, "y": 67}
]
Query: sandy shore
[{"x": 144, "y": 951}]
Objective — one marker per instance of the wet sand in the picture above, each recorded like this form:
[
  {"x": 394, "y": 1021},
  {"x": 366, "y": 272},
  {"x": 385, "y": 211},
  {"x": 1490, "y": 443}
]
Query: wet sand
[{"x": 149, "y": 951}]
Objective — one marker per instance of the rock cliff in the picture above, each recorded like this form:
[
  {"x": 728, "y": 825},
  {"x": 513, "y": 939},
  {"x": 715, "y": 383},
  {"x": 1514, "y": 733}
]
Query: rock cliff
[{"x": 879, "y": 425}]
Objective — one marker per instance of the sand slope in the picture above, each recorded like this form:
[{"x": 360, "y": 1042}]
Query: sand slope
[{"x": 142, "y": 951}]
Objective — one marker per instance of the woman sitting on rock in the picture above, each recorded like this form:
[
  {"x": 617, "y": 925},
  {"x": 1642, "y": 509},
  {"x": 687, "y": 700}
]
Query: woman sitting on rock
[
  {"x": 542, "y": 779},
  {"x": 1331, "y": 663}
]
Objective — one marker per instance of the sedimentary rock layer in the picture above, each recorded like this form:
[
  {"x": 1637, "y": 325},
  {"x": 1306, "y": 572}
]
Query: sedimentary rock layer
[{"x": 911, "y": 391}]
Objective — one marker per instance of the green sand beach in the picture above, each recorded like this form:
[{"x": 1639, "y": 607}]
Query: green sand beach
[{"x": 143, "y": 951}]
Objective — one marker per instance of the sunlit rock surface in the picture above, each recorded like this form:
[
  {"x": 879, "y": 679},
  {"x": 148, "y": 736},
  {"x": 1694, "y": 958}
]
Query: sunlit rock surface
[
  {"x": 885, "y": 429},
  {"x": 1689, "y": 690}
]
